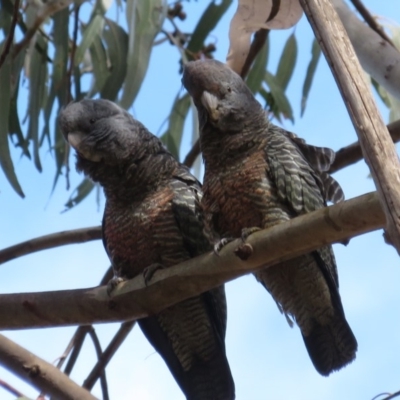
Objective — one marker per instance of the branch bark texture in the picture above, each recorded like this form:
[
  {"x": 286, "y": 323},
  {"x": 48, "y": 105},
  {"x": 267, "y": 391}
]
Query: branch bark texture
[
  {"x": 376, "y": 144},
  {"x": 133, "y": 300},
  {"x": 39, "y": 373}
]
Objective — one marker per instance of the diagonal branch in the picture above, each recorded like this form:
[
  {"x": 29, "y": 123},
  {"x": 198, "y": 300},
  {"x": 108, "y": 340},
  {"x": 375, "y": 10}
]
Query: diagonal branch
[
  {"x": 39, "y": 373},
  {"x": 351, "y": 154},
  {"x": 377, "y": 146},
  {"x": 133, "y": 299}
]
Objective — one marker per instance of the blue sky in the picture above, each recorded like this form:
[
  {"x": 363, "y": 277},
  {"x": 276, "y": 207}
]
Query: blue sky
[{"x": 268, "y": 358}]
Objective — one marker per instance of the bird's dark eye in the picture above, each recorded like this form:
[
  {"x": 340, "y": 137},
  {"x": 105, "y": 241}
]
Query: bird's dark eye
[
  {"x": 92, "y": 120},
  {"x": 229, "y": 89}
]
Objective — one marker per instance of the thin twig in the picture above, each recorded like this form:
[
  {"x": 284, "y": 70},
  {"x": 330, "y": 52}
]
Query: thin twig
[
  {"x": 351, "y": 154},
  {"x": 192, "y": 155},
  {"x": 50, "y": 241},
  {"x": 370, "y": 20},
  {"x": 99, "y": 353},
  {"x": 392, "y": 396},
  {"x": 11, "y": 389},
  {"x": 10, "y": 36},
  {"x": 79, "y": 335},
  {"x": 256, "y": 45},
  {"x": 108, "y": 353},
  {"x": 72, "y": 55}
]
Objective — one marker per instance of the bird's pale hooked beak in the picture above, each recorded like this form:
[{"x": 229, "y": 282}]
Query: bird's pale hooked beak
[{"x": 210, "y": 103}]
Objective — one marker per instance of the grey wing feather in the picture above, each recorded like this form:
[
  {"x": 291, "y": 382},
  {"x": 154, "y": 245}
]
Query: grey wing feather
[{"x": 320, "y": 159}]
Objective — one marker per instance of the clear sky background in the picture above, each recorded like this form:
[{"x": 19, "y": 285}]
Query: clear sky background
[{"x": 268, "y": 358}]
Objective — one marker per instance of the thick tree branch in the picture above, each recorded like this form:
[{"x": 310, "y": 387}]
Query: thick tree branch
[
  {"x": 39, "y": 373},
  {"x": 377, "y": 56},
  {"x": 133, "y": 300},
  {"x": 50, "y": 241},
  {"x": 351, "y": 154},
  {"x": 378, "y": 149}
]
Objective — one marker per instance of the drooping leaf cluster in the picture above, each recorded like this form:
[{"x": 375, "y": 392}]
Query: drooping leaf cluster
[{"x": 53, "y": 58}]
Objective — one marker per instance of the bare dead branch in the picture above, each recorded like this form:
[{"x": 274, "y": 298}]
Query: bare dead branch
[
  {"x": 39, "y": 373},
  {"x": 377, "y": 146},
  {"x": 192, "y": 155},
  {"x": 99, "y": 352},
  {"x": 50, "y": 241},
  {"x": 351, "y": 154},
  {"x": 10, "y": 36},
  {"x": 133, "y": 299},
  {"x": 370, "y": 20},
  {"x": 108, "y": 353},
  {"x": 10, "y": 389}
]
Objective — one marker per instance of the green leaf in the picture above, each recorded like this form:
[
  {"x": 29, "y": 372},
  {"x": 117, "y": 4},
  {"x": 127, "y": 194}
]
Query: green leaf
[
  {"x": 287, "y": 62},
  {"x": 207, "y": 23},
  {"x": 117, "y": 48},
  {"x": 91, "y": 31},
  {"x": 383, "y": 95},
  {"x": 5, "y": 95},
  {"x": 312, "y": 66},
  {"x": 59, "y": 86},
  {"x": 60, "y": 147},
  {"x": 37, "y": 93},
  {"x": 81, "y": 192},
  {"x": 145, "y": 19},
  {"x": 280, "y": 100},
  {"x": 99, "y": 63},
  {"x": 257, "y": 72},
  {"x": 173, "y": 135}
]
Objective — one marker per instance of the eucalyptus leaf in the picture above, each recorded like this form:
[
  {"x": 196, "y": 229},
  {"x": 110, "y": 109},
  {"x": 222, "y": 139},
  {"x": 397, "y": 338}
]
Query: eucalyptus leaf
[
  {"x": 207, "y": 23},
  {"x": 173, "y": 136},
  {"x": 280, "y": 100},
  {"x": 91, "y": 31},
  {"x": 312, "y": 66},
  {"x": 59, "y": 86},
  {"x": 257, "y": 72},
  {"x": 145, "y": 19},
  {"x": 5, "y": 95},
  {"x": 287, "y": 62},
  {"x": 99, "y": 62},
  {"x": 116, "y": 40},
  {"x": 80, "y": 193},
  {"x": 37, "y": 93}
]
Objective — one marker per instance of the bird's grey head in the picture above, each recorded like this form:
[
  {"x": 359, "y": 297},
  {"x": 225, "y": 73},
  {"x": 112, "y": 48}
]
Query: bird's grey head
[
  {"x": 220, "y": 95},
  {"x": 99, "y": 130}
]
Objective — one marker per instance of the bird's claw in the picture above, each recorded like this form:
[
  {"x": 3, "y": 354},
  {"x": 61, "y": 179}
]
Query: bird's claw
[
  {"x": 149, "y": 271},
  {"x": 246, "y": 232},
  {"x": 221, "y": 243},
  {"x": 113, "y": 283}
]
